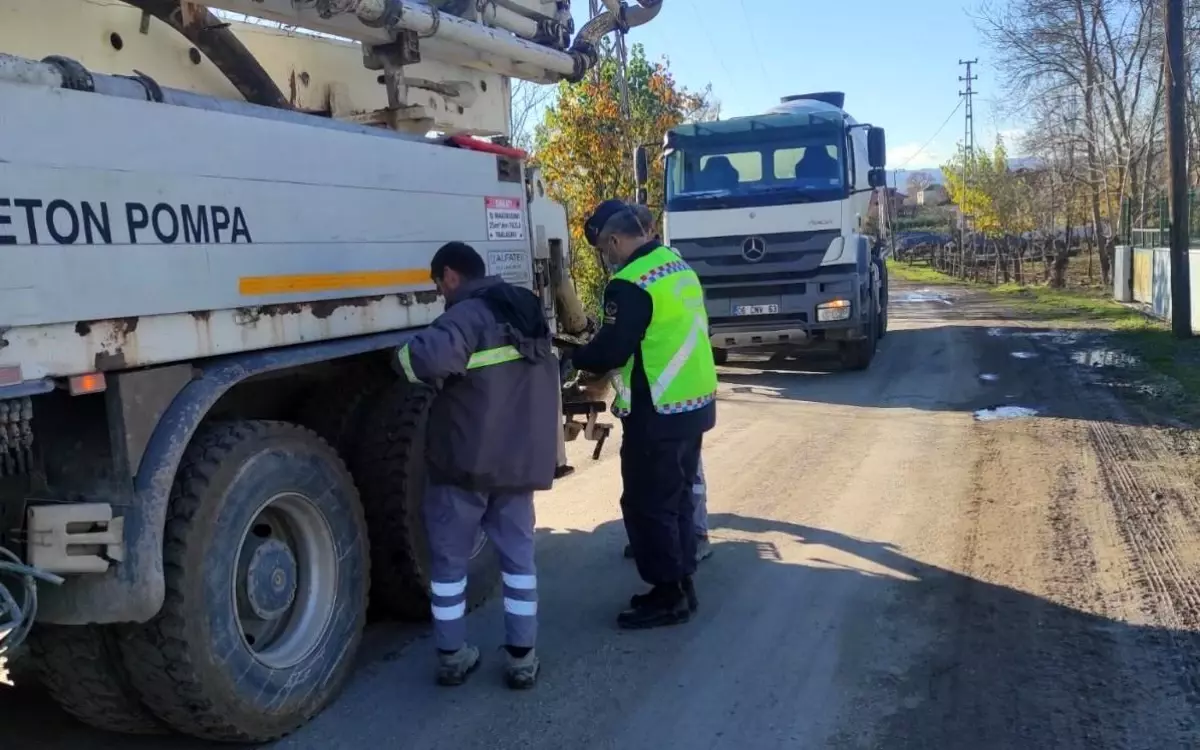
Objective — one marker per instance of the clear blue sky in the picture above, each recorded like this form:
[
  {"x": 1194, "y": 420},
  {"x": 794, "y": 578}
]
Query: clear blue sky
[{"x": 896, "y": 62}]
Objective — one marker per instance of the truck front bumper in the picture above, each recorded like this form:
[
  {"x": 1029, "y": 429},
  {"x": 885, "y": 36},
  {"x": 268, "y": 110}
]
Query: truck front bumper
[{"x": 798, "y": 323}]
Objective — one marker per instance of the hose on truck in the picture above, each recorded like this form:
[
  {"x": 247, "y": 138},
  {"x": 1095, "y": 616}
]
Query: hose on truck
[{"x": 17, "y": 616}]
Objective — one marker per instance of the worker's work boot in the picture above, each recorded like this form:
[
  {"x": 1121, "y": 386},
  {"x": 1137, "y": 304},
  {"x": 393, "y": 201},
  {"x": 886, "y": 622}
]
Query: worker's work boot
[
  {"x": 521, "y": 672},
  {"x": 454, "y": 668},
  {"x": 664, "y": 605},
  {"x": 563, "y": 471}
]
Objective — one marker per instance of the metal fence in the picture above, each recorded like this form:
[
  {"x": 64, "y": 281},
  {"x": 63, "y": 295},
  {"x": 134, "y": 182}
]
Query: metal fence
[{"x": 1148, "y": 225}]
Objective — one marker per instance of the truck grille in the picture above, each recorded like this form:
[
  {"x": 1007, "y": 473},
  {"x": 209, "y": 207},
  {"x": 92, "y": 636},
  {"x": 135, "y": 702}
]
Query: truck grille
[{"x": 788, "y": 256}]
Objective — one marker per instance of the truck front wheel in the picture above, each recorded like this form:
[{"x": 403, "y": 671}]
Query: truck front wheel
[
  {"x": 266, "y": 562},
  {"x": 857, "y": 355}
]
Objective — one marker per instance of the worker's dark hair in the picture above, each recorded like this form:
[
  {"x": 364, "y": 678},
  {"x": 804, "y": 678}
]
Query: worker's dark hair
[
  {"x": 459, "y": 256},
  {"x": 625, "y": 223},
  {"x": 645, "y": 218}
]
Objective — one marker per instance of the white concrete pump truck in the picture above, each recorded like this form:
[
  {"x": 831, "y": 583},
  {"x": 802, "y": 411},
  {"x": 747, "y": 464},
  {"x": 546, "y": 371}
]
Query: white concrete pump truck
[
  {"x": 770, "y": 210},
  {"x": 208, "y": 255}
]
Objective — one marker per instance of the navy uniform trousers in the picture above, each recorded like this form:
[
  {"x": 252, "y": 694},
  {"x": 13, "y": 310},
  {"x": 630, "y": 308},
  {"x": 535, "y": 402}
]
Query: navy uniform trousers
[{"x": 659, "y": 505}]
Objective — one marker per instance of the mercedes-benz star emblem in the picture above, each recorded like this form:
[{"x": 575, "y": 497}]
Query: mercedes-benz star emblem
[{"x": 754, "y": 248}]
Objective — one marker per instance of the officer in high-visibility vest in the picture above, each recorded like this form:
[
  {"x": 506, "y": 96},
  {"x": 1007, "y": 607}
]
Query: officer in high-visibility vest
[
  {"x": 699, "y": 485},
  {"x": 655, "y": 335},
  {"x": 490, "y": 444}
]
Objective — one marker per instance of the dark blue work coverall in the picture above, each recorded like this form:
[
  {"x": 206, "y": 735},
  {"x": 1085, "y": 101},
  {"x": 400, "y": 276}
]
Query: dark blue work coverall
[
  {"x": 491, "y": 443},
  {"x": 653, "y": 446}
]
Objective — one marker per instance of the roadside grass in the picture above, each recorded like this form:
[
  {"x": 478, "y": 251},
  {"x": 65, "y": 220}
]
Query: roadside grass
[{"x": 1149, "y": 339}]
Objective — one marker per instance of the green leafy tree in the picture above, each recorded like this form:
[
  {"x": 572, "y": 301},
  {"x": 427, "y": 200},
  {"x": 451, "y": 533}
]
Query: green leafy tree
[
  {"x": 585, "y": 144},
  {"x": 998, "y": 200}
]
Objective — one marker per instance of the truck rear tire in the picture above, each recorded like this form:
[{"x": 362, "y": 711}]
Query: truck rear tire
[
  {"x": 391, "y": 476},
  {"x": 266, "y": 560},
  {"x": 720, "y": 356},
  {"x": 337, "y": 412},
  {"x": 80, "y": 668}
]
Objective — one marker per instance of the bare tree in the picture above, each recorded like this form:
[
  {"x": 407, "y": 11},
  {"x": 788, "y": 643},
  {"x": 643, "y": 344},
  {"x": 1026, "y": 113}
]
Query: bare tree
[
  {"x": 917, "y": 182},
  {"x": 529, "y": 101},
  {"x": 1099, "y": 57}
]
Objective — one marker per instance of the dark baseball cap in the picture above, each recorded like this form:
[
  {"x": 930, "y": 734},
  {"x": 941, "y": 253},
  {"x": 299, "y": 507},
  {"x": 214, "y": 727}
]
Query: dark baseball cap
[{"x": 600, "y": 217}]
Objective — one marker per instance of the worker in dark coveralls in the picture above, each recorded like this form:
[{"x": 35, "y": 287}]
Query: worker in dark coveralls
[
  {"x": 655, "y": 335},
  {"x": 490, "y": 445}
]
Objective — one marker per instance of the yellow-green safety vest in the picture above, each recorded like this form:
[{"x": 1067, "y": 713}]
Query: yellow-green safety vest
[{"x": 676, "y": 353}]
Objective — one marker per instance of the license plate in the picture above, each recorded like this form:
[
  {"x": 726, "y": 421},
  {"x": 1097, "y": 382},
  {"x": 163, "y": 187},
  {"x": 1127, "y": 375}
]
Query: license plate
[{"x": 755, "y": 309}]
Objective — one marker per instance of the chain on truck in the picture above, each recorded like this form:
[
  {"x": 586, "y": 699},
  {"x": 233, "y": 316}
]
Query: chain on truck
[{"x": 215, "y": 230}]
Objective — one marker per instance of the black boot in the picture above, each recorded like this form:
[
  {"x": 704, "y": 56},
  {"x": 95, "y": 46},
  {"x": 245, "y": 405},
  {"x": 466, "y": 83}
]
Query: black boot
[
  {"x": 689, "y": 591},
  {"x": 662, "y": 606}
]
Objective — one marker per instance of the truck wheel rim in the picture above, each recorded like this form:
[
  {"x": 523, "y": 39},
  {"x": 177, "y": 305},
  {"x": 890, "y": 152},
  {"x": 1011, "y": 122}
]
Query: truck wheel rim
[{"x": 285, "y": 581}]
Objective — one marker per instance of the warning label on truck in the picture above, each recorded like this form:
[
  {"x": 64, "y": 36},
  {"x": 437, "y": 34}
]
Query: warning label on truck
[
  {"x": 511, "y": 265},
  {"x": 505, "y": 220}
]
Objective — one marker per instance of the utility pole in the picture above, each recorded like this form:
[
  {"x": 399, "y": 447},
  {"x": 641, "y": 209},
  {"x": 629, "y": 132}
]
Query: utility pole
[
  {"x": 968, "y": 154},
  {"x": 1176, "y": 76}
]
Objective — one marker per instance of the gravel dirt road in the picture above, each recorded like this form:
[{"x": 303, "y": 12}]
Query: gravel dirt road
[{"x": 898, "y": 565}]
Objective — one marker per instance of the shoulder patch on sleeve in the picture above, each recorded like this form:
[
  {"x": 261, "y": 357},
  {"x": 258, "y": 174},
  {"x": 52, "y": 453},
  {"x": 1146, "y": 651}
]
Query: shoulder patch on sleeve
[{"x": 610, "y": 312}]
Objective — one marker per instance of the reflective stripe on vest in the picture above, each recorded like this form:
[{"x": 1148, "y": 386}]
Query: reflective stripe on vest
[
  {"x": 485, "y": 358},
  {"x": 688, "y": 359}
]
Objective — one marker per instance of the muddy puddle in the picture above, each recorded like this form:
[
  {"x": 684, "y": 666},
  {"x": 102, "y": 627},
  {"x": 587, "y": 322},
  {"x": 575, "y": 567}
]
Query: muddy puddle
[
  {"x": 1105, "y": 357},
  {"x": 996, "y": 413},
  {"x": 1060, "y": 338},
  {"x": 926, "y": 295}
]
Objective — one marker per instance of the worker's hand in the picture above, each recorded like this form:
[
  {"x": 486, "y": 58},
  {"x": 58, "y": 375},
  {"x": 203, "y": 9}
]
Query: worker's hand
[{"x": 593, "y": 325}]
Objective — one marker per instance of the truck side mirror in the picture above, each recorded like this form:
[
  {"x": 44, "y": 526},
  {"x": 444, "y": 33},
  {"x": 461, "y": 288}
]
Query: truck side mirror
[
  {"x": 641, "y": 168},
  {"x": 877, "y": 177},
  {"x": 876, "y": 148}
]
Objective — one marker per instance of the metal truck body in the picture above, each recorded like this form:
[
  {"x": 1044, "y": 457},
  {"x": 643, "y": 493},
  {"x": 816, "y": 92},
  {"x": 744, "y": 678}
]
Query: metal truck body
[
  {"x": 205, "y": 453},
  {"x": 770, "y": 211}
]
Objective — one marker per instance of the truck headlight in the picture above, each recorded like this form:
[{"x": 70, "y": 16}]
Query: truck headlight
[{"x": 833, "y": 310}]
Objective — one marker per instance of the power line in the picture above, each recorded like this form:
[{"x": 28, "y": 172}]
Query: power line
[
  {"x": 712, "y": 43},
  {"x": 938, "y": 132},
  {"x": 754, "y": 40}
]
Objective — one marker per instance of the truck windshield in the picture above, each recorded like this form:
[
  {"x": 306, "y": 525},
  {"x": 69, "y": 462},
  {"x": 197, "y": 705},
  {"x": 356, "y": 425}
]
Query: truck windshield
[{"x": 707, "y": 173}]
